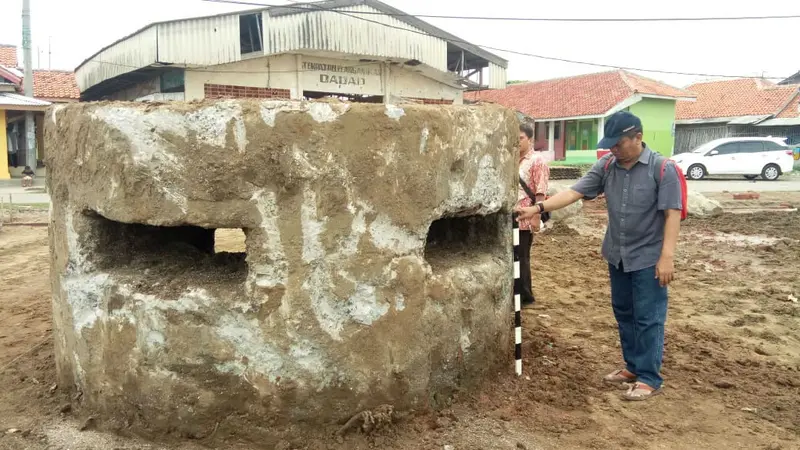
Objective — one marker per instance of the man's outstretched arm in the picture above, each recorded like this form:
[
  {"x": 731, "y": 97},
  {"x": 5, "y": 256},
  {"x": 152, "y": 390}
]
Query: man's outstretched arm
[
  {"x": 589, "y": 186},
  {"x": 558, "y": 201}
]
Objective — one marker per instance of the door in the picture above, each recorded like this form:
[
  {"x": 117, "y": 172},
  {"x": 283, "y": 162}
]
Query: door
[
  {"x": 572, "y": 136},
  {"x": 721, "y": 159},
  {"x": 585, "y": 135},
  {"x": 751, "y": 158}
]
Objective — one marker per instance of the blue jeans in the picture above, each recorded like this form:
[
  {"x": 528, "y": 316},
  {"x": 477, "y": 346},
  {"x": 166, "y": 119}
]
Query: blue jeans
[{"x": 640, "y": 307}]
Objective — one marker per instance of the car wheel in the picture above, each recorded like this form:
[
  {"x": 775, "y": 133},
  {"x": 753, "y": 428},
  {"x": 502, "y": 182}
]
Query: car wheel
[
  {"x": 751, "y": 177},
  {"x": 696, "y": 172},
  {"x": 771, "y": 172}
]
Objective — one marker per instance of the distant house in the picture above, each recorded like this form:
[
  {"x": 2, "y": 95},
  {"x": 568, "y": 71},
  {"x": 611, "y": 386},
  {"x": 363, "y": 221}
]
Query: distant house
[
  {"x": 570, "y": 113},
  {"x": 737, "y": 108},
  {"x": 794, "y": 79},
  {"x": 49, "y": 86}
]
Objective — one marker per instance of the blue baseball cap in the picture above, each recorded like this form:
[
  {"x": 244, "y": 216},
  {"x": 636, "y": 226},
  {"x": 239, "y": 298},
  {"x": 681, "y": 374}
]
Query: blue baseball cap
[{"x": 618, "y": 125}]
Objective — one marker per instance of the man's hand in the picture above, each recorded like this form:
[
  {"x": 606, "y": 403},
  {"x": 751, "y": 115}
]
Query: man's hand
[
  {"x": 665, "y": 270},
  {"x": 526, "y": 213}
]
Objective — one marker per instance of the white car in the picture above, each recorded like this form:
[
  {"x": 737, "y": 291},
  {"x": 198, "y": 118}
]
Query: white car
[{"x": 751, "y": 157}]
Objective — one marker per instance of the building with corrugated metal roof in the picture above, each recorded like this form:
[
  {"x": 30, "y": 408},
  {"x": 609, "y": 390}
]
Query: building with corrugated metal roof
[{"x": 363, "y": 50}]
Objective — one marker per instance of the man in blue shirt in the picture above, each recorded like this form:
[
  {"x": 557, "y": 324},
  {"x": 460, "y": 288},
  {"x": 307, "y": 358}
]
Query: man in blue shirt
[{"x": 644, "y": 213}]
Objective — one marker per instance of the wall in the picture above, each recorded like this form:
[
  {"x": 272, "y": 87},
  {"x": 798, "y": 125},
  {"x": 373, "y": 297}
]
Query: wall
[
  {"x": 4, "y": 175},
  {"x": 407, "y": 84},
  {"x": 299, "y": 73},
  {"x": 275, "y": 72},
  {"x": 658, "y": 117}
]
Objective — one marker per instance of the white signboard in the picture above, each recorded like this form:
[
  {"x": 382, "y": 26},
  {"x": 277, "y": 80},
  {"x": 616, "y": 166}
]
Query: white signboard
[{"x": 341, "y": 77}]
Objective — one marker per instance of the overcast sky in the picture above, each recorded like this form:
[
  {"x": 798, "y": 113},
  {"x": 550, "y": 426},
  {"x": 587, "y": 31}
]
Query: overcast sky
[{"x": 78, "y": 28}]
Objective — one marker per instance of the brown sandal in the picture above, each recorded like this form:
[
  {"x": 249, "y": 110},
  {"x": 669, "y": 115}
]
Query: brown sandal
[
  {"x": 621, "y": 378},
  {"x": 639, "y": 392}
]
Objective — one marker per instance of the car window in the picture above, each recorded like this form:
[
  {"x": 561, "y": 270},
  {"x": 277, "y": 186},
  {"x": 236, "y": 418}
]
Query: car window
[
  {"x": 770, "y": 146},
  {"x": 751, "y": 147},
  {"x": 728, "y": 149}
]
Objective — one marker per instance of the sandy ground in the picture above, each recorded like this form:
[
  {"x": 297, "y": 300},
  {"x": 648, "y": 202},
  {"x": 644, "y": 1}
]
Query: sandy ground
[{"x": 732, "y": 358}]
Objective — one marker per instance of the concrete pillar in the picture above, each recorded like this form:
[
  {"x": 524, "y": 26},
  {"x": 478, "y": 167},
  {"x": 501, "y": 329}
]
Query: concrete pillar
[
  {"x": 299, "y": 80},
  {"x": 551, "y": 137},
  {"x": 386, "y": 72}
]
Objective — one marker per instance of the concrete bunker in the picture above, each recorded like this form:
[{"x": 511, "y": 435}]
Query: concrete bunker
[{"x": 376, "y": 264}]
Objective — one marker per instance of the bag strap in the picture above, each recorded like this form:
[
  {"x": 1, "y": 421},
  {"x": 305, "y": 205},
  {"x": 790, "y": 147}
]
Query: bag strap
[
  {"x": 527, "y": 190},
  {"x": 664, "y": 162},
  {"x": 609, "y": 161}
]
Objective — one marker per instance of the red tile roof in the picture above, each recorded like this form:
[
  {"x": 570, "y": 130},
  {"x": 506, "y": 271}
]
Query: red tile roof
[
  {"x": 734, "y": 98},
  {"x": 8, "y": 55},
  {"x": 792, "y": 110},
  {"x": 584, "y": 95},
  {"x": 55, "y": 84}
]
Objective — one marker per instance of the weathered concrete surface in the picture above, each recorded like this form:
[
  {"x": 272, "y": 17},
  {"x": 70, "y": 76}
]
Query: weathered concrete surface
[{"x": 340, "y": 304}]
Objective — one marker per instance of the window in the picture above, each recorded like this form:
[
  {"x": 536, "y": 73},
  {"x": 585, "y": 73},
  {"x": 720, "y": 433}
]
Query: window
[
  {"x": 770, "y": 146},
  {"x": 728, "y": 149},
  {"x": 557, "y": 132},
  {"x": 751, "y": 147},
  {"x": 250, "y": 36}
]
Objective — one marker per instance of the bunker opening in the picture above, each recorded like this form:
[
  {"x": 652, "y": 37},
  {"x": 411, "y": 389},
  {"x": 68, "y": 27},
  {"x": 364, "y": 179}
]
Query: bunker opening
[
  {"x": 464, "y": 240},
  {"x": 167, "y": 259}
]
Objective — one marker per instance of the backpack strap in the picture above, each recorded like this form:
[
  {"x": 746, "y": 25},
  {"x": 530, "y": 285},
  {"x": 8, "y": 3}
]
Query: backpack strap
[
  {"x": 664, "y": 162},
  {"x": 608, "y": 163}
]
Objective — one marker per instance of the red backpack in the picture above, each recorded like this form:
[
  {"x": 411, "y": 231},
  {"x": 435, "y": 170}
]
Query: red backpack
[{"x": 681, "y": 180}]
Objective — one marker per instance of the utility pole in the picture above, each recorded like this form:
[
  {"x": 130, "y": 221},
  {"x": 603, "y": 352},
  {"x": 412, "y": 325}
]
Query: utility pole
[{"x": 30, "y": 127}]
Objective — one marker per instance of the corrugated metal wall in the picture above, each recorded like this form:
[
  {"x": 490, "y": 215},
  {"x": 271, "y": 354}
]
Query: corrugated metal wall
[
  {"x": 335, "y": 32},
  {"x": 130, "y": 54},
  {"x": 497, "y": 77},
  {"x": 207, "y": 41}
]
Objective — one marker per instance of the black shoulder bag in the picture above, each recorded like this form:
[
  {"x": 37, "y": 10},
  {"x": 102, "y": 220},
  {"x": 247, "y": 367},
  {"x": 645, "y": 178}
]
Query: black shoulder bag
[{"x": 545, "y": 215}]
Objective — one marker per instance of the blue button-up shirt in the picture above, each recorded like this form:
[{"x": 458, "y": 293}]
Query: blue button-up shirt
[{"x": 636, "y": 204}]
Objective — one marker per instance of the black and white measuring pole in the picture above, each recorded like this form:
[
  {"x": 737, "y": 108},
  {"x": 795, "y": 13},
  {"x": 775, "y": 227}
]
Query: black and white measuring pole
[{"x": 517, "y": 299}]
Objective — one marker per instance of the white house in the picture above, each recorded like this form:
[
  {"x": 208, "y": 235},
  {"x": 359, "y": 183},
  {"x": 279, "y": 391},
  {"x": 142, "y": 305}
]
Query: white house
[{"x": 361, "y": 49}]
